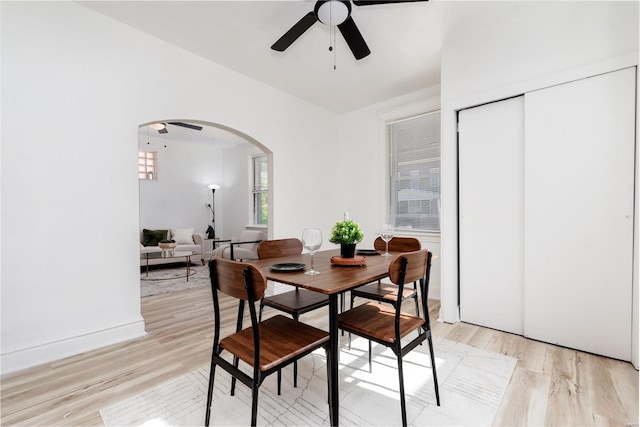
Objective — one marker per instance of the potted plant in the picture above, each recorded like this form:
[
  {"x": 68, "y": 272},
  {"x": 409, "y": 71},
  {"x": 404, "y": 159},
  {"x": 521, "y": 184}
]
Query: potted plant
[{"x": 347, "y": 234}]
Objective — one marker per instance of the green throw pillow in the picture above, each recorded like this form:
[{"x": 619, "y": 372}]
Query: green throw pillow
[{"x": 153, "y": 237}]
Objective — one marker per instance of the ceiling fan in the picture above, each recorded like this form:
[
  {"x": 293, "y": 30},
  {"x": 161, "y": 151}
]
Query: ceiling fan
[
  {"x": 161, "y": 127},
  {"x": 334, "y": 12}
]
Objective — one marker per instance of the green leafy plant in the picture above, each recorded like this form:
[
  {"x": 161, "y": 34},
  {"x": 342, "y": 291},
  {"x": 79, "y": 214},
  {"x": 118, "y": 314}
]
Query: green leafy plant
[{"x": 346, "y": 232}]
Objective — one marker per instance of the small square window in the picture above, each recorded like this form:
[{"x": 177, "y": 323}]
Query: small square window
[{"x": 147, "y": 165}]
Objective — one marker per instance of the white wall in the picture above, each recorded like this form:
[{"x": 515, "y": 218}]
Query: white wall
[
  {"x": 365, "y": 194},
  {"x": 236, "y": 203},
  {"x": 75, "y": 87},
  {"x": 546, "y": 44},
  {"x": 177, "y": 199}
]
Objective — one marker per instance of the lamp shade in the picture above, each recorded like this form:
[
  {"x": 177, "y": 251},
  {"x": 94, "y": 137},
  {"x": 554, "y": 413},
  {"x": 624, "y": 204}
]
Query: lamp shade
[
  {"x": 333, "y": 12},
  {"x": 213, "y": 186}
]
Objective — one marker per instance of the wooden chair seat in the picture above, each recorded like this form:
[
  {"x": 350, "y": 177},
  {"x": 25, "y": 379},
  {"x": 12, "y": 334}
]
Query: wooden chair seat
[
  {"x": 297, "y": 302},
  {"x": 281, "y": 339},
  {"x": 377, "y": 322},
  {"x": 382, "y": 292}
]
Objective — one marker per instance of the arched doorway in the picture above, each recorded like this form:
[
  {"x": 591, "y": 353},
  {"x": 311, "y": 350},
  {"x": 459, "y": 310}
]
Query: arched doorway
[{"x": 178, "y": 161}]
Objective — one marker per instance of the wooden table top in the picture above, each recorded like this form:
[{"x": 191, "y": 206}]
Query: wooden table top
[{"x": 332, "y": 278}]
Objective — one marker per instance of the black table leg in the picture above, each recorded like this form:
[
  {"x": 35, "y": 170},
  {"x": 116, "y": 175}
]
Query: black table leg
[{"x": 334, "y": 402}]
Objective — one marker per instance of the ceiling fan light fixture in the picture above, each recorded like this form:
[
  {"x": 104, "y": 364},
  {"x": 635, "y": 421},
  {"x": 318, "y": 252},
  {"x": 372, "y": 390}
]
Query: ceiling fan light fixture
[
  {"x": 157, "y": 126},
  {"x": 333, "y": 12}
]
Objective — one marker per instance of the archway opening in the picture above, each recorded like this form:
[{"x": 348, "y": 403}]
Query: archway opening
[{"x": 178, "y": 162}]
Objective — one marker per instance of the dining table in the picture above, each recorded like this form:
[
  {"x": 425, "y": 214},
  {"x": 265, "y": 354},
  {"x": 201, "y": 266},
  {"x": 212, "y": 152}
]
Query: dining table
[{"x": 333, "y": 280}]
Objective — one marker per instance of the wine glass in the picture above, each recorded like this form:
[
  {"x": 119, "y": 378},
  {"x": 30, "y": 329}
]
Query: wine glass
[
  {"x": 311, "y": 240},
  {"x": 386, "y": 234}
]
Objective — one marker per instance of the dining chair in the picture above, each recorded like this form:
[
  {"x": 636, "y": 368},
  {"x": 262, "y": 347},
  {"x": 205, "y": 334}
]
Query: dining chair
[
  {"x": 386, "y": 292},
  {"x": 387, "y": 325},
  {"x": 266, "y": 346},
  {"x": 294, "y": 302}
]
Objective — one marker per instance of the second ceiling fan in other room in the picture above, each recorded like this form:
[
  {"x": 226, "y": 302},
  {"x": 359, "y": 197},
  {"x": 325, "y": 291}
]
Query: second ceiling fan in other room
[
  {"x": 162, "y": 127},
  {"x": 334, "y": 12}
]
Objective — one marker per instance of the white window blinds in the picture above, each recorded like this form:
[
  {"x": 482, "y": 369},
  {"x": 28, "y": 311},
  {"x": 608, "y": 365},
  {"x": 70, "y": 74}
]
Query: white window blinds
[
  {"x": 414, "y": 165},
  {"x": 260, "y": 190}
]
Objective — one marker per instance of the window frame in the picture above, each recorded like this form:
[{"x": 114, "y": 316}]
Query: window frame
[
  {"x": 391, "y": 202},
  {"x": 147, "y": 164},
  {"x": 259, "y": 193}
]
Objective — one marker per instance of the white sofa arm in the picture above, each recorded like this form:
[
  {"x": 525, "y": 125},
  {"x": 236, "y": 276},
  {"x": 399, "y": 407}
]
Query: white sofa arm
[{"x": 198, "y": 239}]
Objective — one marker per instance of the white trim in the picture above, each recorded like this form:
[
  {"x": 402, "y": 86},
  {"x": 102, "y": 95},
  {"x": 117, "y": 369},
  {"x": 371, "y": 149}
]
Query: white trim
[
  {"x": 415, "y": 116},
  {"x": 39, "y": 354},
  {"x": 635, "y": 334}
]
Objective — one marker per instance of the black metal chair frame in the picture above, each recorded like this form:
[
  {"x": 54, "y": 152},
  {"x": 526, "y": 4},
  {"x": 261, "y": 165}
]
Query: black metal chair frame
[{"x": 232, "y": 368}]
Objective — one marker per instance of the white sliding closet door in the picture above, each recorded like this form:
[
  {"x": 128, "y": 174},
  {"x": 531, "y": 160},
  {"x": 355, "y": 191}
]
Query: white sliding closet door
[
  {"x": 579, "y": 177},
  {"x": 491, "y": 215}
]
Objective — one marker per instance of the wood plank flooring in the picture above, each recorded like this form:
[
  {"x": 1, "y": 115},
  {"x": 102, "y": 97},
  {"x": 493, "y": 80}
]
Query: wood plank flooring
[{"x": 551, "y": 385}]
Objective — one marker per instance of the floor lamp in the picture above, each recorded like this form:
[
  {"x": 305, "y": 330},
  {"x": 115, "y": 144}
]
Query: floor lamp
[{"x": 211, "y": 230}]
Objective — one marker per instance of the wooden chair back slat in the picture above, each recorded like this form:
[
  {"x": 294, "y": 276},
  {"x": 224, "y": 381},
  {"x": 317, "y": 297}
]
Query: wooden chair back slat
[
  {"x": 416, "y": 266},
  {"x": 279, "y": 248},
  {"x": 230, "y": 280},
  {"x": 398, "y": 244}
]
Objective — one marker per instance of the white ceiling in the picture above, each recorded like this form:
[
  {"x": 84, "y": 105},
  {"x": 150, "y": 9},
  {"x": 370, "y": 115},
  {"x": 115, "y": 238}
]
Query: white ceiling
[{"x": 404, "y": 40}]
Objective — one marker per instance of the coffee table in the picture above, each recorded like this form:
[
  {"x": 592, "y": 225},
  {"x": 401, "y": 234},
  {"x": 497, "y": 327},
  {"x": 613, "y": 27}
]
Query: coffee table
[{"x": 166, "y": 255}]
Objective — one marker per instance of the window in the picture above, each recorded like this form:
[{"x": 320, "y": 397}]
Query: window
[
  {"x": 147, "y": 165},
  {"x": 260, "y": 190},
  {"x": 414, "y": 166}
]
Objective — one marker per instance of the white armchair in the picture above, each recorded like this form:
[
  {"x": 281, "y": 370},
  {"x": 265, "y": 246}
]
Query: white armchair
[{"x": 243, "y": 248}]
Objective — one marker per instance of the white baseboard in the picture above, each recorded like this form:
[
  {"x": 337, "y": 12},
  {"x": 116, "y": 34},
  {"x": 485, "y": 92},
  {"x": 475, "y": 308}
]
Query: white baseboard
[{"x": 37, "y": 355}]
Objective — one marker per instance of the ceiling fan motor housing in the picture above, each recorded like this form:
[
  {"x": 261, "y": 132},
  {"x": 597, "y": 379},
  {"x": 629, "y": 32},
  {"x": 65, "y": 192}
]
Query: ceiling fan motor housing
[{"x": 332, "y": 12}]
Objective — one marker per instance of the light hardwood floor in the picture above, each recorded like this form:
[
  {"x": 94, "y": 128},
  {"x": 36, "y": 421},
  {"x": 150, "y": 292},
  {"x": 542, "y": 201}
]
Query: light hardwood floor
[{"x": 551, "y": 385}]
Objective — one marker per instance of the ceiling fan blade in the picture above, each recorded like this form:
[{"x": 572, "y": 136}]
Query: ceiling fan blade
[
  {"x": 354, "y": 39},
  {"x": 186, "y": 125},
  {"x": 374, "y": 2},
  {"x": 294, "y": 32}
]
